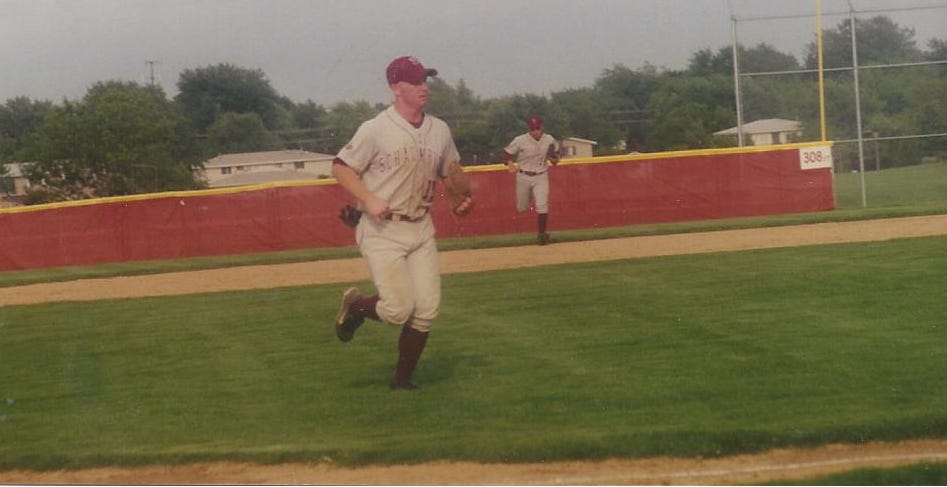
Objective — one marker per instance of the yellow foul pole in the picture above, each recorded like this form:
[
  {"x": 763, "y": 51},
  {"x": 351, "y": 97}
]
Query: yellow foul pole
[{"x": 818, "y": 16}]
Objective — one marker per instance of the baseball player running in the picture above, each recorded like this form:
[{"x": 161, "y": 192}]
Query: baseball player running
[
  {"x": 390, "y": 166},
  {"x": 533, "y": 152}
]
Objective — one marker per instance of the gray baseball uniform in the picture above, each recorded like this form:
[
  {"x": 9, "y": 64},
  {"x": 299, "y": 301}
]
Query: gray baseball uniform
[
  {"x": 391, "y": 166},
  {"x": 401, "y": 163},
  {"x": 532, "y": 177}
]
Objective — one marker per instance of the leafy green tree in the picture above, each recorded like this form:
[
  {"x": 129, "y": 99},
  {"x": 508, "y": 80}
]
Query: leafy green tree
[
  {"x": 344, "y": 119},
  {"x": 762, "y": 97},
  {"x": 284, "y": 117},
  {"x": 464, "y": 113},
  {"x": 589, "y": 116},
  {"x": 306, "y": 128},
  {"x": 206, "y": 93},
  {"x": 19, "y": 117},
  {"x": 308, "y": 115},
  {"x": 706, "y": 62},
  {"x": 937, "y": 50},
  {"x": 475, "y": 143},
  {"x": 240, "y": 132},
  {"x": 758, "y": 59},
  {"x": 880, "y": 41},
  {"x": 626, "y": 88},
  {"x": 921, "y": 114},
  {"x": 931, "y": 115},
  {"x": 6, "y": 182},
  {"x": 893, "y": 101},
  {"x": 626, "y": 93},
  {"x": 840, "y": 107},
  {"x": 688, "y": 110},
  {"x": 790, "y": 97},
  {"x": 120, "y": 139},
  {"x": 454, "y": 105},
  {"x": 765, "y": 58}
]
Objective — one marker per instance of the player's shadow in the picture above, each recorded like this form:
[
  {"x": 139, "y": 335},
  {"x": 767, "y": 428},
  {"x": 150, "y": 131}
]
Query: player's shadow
[
  {"x": 446, "y": 367},
  {"x": 434, "y": 368}
]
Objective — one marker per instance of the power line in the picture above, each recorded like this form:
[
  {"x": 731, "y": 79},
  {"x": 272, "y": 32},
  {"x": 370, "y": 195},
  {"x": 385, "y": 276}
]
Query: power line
[
  {"x": 847, "y": 12},
  {"x": 895, "y": 137},
  {"x": 849, "y": 68}
]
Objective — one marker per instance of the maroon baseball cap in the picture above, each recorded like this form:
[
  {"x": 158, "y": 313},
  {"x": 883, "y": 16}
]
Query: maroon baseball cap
[
  {"x": 534, "y": 122},
  {"x": 409, "y": 70}
]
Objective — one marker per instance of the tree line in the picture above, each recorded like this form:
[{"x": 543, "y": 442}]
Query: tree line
[{"x": 125, "y": 138}]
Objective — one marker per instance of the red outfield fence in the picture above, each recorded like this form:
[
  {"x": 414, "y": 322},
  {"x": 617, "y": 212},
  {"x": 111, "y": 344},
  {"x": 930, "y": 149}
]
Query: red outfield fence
[{"x": 585, "y": 193}]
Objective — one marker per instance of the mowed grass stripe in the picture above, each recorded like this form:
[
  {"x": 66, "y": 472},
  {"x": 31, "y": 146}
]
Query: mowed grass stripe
[{"x": 687, "y": 355}]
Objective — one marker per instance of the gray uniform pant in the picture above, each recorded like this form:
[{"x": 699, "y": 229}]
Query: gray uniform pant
[
  {"x": 536, "y": 186},
  {"x": 402, "y": 259}
]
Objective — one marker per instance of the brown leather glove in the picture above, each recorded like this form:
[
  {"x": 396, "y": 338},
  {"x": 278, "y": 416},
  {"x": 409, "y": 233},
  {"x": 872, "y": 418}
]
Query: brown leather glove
[
  {"x": 350, "y": 216},
  {"x": 457, "y": 187}
]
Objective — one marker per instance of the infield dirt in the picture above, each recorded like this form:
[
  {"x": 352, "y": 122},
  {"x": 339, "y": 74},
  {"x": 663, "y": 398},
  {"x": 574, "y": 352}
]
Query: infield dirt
[
  {"x": 764, "y": 467},
  {"x": 352, "y": 270}
]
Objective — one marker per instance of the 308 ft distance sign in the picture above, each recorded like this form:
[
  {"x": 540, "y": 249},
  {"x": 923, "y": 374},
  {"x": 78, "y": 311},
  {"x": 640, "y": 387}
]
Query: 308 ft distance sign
[{"x": 818, "y": 157}]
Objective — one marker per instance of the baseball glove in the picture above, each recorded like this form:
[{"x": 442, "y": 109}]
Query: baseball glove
[
  {"x": 350, "y": 216},
  {"x": 457, "y": 187},
  {"x": 553, "y": 155}
]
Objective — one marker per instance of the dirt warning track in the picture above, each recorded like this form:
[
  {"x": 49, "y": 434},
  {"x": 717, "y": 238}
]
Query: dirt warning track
[
  {"x": 352, "y": 270},
  {"x": 788, "y": 463}
]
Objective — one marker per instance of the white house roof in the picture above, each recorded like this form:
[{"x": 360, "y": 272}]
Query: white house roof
[
  {"x": 262, "y": 177},
  {"x": 765, "y": 126},
  {"x": 583, "y": 141},
  {"x": 266, "y": 157}
]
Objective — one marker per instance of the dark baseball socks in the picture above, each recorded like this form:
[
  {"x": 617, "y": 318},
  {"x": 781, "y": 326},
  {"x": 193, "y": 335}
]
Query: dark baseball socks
[
  {"x": 543, "y": 237},
  {"x": 410, "y": 346}
]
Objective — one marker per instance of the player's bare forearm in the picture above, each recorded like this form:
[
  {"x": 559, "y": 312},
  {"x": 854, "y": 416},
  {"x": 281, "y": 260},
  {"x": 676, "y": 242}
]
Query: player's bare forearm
[
  {"x": 349, "y": 179},
  {"x": 508, "y": 160}
]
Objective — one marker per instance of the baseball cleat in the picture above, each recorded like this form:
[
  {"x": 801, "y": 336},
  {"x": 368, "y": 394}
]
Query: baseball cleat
[
  {"x": 345, "y": 321},
  {"x": 543, "y": 238}
]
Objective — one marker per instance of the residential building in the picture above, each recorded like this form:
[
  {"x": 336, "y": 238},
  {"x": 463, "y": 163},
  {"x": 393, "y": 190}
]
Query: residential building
[
  {"x": 770, "y": 131},
  {"x": 249, "y": 168},
  {"x": 572, "y": 147},
  {"x": 20, "y": 185}
]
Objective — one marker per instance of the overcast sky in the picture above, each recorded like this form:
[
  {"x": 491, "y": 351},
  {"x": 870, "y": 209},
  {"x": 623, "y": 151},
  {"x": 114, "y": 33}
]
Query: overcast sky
[{"x": 330, "y": 51}]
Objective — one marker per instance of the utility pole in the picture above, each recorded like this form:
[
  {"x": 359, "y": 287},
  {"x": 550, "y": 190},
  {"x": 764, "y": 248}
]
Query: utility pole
[{"x": 151, "y": 66}]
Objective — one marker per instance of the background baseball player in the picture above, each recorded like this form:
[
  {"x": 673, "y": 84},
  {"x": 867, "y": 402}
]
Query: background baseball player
[
  {"x": 391, "y": 166},
  {"x": 533, "y": 152}
]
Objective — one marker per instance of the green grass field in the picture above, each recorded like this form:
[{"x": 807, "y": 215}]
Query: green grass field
[
  {"x": 917, "y": 187},
  {"x": 920, "y": 474},
  {"x": 691, "y": 355}
]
